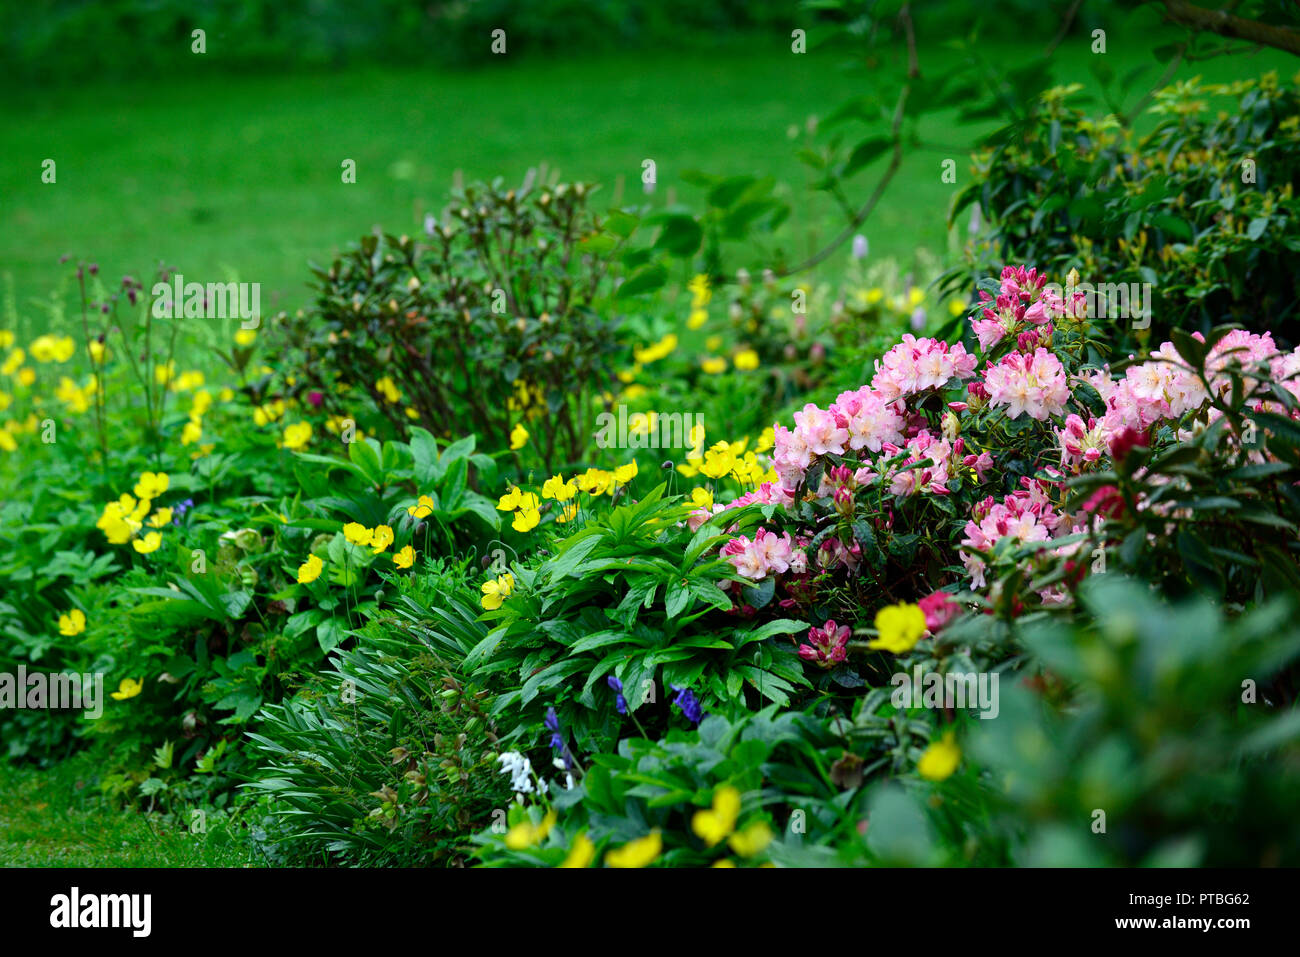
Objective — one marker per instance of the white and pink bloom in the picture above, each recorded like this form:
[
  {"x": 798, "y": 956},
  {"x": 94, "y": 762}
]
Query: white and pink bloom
[
  {"x": 828, "y": 645},
  {"x": 1035, "y": 384},
  {"x": 767, "y": 554}
]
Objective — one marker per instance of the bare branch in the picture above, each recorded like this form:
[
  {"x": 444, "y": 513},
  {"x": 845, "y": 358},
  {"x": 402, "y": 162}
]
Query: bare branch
[{"x": 1227, "y": 24}]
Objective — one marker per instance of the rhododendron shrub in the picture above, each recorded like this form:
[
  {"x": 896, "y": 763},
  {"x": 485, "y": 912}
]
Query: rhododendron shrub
[{"x": 954, "y": 469}]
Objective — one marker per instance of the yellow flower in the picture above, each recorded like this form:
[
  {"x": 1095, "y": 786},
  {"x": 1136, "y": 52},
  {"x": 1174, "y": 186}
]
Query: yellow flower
[
  {"x": 14, "y": 362},
  {"x": 73, "y": 623},
  {"x": 595, "y": 481},
  {"x": 900, "y": 627},
  {"x": 70, "y": 394},
  {"x": 422, "y": 508},
  {"x": 746, "y": 359},
  {"x": 133, "y": 510},
  {"x": 297, "y": 436},
  {"x": 151, "y": 485},
  {"x": 271, "y": 412},
  {"x": 526, "y": 519},
  {"x": 725, "y": 862},
  {"x": 638, "y": 853},
  {"x": 625, "y": 473},
  {"x": 581, "y": 852},
  {"x": 49, "y": 348},
  {"x": 188, "y": 380},
  {"x": 7, "y": 339},
  {"x": 497, "y": 590},
  {"x": 718, "y": 461},
  {"x": 201, "y": 403},
  {"x": 697, "y": 318},
  {"x": 700, "y": 291},
  {"x": 7, "y": 442},
  {"x": 518, "y": 437},
  {"x": 357, "y": 534},
  {"x": 381, "y": 538},
  {"x": 940, "y": 759},
  {"x": 164, "y": 373},
  {"x": 245, "y": 337},
  {"x": 26, "y": 376},
  {"x": 147, "y": 544},
  {"x": 510, "y": 501},
  {"x": 388, "y": 389},
  {"x": 714, "y": 365},
  {"x": 956, "y": 307},
  {"x": 161, "y": 518},
  {"x": 114, "y": 524},
  {"x": 192, "y": 432},
  {"x": 310, "y": 570},
  {"x": 526, "y": 834},
  {"x": 715, "y": 823},
  {"x": 567, "y": 513},
  {"x": 557, "y": 488},
  {"x": 702, "y": 498},
  {"x": 751, "y": 839},
  {"x": 405, "y": 558},
  {"x": 657, "y": 351},
  {"x": 128, "y": 688}
]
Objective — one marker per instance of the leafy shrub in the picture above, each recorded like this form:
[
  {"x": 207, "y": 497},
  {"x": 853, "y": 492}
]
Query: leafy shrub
[
  {"x": 492, "y": 325},
  {"x": 631, "y": 595},
  {"x": 1176, "y": 723},
  {"x": 1202, "y": 207},
  {"x": 387, "y": 759}
]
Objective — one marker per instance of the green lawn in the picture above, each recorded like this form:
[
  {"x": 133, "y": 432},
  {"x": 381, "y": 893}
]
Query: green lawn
[
  {"x": 54, "y": 818},
  {"x": 243, "y": 176}
]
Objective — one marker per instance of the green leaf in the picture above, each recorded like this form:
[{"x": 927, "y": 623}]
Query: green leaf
[
  {"x": 364, "y": 454},
  {"x": 864, "y": 153},
  {"x": 648, "y": 278}
]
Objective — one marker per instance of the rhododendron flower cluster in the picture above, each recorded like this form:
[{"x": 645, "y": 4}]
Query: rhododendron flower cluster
[
  {"x": 1021, "y": 303},
  {"x": 827, "y": 646},
  {"x": 1028, "y": 383},
  {"x": 1026, "y": 515},
  {"x": 909, "y": 472},
  {"x": 766, "y": 554},
  {"x": 915, "y": 365}
]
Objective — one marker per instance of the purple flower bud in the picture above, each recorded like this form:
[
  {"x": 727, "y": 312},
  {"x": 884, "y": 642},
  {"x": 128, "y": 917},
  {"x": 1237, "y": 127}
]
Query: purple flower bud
[{"x": 689, "y": 704}]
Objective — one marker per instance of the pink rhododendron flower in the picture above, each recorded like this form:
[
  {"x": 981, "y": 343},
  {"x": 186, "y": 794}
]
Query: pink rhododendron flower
[
  {"x": 767, "y": 554},
  {"x": 821, "y": 431},
  {"x": 915, "y": 365},
  {"x": 870, "y": 418},
  {"x": 939, "y": 609},
  {"x": 827, "y": 645},
  {"x": 1082, "y": 444},
  {"x": 1029, "y": 383}
]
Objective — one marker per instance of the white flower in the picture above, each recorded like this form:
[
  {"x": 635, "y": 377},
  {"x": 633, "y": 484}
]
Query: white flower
[{"x": 520, "y": 770}]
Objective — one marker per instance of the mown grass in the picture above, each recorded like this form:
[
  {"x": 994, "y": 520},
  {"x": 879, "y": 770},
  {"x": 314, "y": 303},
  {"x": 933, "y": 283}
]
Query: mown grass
[
  {"x": 241, "y": 178},
  {"x": 55, "y": 818}
]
